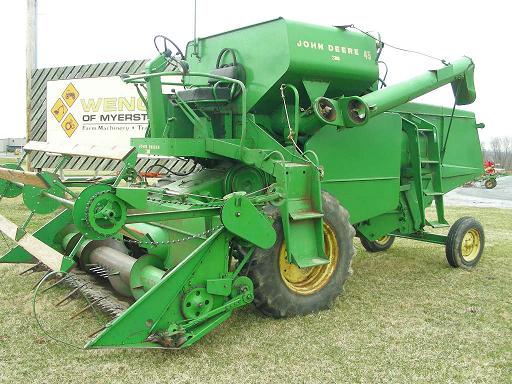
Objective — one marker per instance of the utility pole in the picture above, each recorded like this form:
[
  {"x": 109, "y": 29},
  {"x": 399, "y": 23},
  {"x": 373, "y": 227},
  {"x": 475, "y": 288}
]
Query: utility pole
[{"x": 31, "y": 58}]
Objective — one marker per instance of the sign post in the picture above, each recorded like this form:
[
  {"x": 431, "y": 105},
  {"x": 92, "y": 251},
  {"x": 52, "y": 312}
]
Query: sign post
[{"x": 31, "y": 58}]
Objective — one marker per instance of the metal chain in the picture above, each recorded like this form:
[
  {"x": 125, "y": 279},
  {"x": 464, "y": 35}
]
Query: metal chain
[
  {"x": 175, "y": 241},
  {"x": 198, "y": 204},
  {"x": 155, "y": 243},
  {"x": 290, "y": 130}
]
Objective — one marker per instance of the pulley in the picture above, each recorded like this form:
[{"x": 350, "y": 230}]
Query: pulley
[{"x": 98, "y": 213}]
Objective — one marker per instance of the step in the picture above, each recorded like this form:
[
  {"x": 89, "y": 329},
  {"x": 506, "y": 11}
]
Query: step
[
  {"x": 438, "y": 224},
  {"x": 425, "y": 161},
  {"x": 290, "y": 164},
  {"x": 311, "y": 262},
  {"x": 433, "y": 193},
  {"x": 306, "y": 215}
]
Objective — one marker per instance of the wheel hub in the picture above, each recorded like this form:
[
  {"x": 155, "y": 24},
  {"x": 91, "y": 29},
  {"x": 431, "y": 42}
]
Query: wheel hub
[
  {"x": 98, "y": 212},
  {"x": 383, "y": 240},
  {"x": 306, "y": 281},
  {"x": 470, "y": 245},
  {"x": 196, "y": 303}
]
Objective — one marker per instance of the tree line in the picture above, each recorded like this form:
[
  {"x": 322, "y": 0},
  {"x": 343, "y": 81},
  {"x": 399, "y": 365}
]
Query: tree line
[{"x": 499, "y": 150}]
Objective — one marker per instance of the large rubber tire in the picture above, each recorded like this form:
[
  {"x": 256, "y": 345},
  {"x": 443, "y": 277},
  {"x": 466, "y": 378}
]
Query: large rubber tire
[
  {"x": 377, "y": 246},
  {"x": 490, "y": 183},
  {"x": 465, "y": 230},
  {"x": 271, "y": 294}
]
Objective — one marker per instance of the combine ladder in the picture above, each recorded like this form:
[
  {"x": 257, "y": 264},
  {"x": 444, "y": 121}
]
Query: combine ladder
[{"x": 426, "y": 157}]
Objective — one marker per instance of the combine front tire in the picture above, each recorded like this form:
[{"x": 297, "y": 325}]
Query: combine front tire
[
  {"x": 465, "y": 243},
  {"x": 382, "y": 244},
  {"x": 282, "y": 289}
]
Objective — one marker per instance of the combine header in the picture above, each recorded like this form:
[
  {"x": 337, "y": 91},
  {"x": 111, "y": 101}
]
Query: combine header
[{"x": 298, "y": 151}]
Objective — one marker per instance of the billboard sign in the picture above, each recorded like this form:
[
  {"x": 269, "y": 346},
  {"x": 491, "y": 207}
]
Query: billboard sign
[{"x": 101, "y": 111}]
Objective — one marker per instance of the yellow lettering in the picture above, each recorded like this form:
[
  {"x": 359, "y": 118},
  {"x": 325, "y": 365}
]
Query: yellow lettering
[
  {"x": 109, "y": 104},
  {"x": 124, "y": 103},
  {"x": 91, "y": 104},
  {"x": 140, "y": 104}
]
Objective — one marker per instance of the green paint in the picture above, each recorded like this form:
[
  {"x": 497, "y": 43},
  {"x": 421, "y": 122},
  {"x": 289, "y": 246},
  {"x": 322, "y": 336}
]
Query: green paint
[{"x": 306, "y": 116}]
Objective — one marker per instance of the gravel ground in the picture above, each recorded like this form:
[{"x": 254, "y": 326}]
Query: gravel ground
[{"x": 479, "y": 196}]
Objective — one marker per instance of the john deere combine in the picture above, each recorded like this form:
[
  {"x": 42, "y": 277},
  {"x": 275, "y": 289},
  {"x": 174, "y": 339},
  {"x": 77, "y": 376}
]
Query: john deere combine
[{"x": 298, "y": 151}]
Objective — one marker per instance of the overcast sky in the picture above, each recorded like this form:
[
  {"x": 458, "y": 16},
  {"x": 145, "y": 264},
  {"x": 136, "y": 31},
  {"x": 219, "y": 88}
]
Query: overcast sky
[{"x": 92, "y": 31}]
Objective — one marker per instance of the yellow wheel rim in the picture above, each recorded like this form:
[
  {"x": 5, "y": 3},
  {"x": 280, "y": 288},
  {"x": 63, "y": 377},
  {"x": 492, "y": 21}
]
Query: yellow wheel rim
[
  {"x": 306, "y": 281},
  {"x": 383, "y": 240},
  {"x": 470, "y": 245}
]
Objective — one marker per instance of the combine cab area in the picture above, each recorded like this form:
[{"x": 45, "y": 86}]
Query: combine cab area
[{"x": 297, "y": 151}]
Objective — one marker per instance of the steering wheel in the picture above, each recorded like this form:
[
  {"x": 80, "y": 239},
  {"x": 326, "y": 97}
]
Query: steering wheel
[
  {"x": 167, "y": 52},
  {"x": 171, "y": 51}
]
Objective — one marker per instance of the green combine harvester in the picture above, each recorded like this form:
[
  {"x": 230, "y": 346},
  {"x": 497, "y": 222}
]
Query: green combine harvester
[{"x": 299, "y": 148}]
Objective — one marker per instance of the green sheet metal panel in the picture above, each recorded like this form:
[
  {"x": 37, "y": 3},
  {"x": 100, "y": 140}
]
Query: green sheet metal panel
[
  {"x": 362, "y": 165},
  {"x": 282, "y": 51},
  {"x": 256, "y": 47},
  {"x": 341, "y": 57}
]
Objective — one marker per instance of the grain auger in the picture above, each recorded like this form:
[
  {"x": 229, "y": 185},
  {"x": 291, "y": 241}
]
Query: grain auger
[{"x": 299, "y": 151}]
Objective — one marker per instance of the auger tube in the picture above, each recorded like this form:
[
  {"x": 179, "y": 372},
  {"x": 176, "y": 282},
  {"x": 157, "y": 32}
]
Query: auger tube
[{"x": 459, "y": 73}]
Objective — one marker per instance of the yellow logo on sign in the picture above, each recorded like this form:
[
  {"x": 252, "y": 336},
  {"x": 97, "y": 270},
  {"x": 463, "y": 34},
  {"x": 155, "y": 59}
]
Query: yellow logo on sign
[
  {"x": 69, "y": 125},
  {"x": 59, "y": 110},
  {"x": 70, "y": 94}
]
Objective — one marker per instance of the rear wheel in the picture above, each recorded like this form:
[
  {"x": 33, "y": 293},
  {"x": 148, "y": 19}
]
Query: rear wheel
[
  {"x": 465, "y": 243},
  {"x": 282, "y": 289},
  {"x": 382, "y": 244},
  {"x": 490, "y": 183}
]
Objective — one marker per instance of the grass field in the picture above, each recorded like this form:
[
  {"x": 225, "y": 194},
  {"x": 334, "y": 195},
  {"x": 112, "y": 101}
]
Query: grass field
[{"x": 405, "y": 316}]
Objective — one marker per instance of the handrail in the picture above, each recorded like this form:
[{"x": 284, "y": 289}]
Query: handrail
[{"x": 136, "y": 79}]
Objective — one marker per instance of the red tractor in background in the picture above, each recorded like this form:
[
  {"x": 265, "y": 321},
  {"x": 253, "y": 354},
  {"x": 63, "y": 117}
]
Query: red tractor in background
[{"x": 490, "y": 175}]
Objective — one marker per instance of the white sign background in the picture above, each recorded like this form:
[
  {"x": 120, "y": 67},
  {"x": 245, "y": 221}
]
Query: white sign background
[{"x": 108, "y": 112}]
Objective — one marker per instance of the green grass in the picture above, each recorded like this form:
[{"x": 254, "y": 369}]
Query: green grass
[
  {"x": 405, "y": 316},
  {"x": 4, "y": 160}
]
